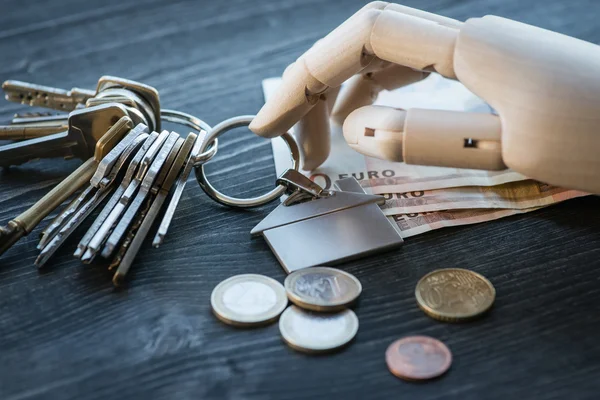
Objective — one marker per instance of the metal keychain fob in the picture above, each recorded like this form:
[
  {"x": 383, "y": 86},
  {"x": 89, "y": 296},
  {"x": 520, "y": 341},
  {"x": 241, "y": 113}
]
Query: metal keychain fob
[{"x": 325, "y": 227}]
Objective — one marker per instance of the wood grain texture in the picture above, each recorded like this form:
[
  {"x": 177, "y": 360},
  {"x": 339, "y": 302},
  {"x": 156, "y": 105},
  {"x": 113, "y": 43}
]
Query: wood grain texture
[{"x": 66, "y": 334}]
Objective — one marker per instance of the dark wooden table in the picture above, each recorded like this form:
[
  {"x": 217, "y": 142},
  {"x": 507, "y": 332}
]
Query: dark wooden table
[{"x": 66, "y": 333}]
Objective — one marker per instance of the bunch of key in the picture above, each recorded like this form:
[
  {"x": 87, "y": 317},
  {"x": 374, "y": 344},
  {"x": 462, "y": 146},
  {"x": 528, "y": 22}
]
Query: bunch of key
[{"x": 129, "y": 166}]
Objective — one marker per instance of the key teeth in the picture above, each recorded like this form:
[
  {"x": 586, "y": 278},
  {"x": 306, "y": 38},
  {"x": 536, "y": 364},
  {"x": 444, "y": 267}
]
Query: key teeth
[
  {"x": 34, "y": 114},
  {"x": 16, "y": 98}
]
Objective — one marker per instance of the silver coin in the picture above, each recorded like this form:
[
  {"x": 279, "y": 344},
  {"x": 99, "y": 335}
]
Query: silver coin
[
  {"x": 248, "y": 300},
  {"x": 317, "y": 332},
  {"x": 322, "y": 288}
]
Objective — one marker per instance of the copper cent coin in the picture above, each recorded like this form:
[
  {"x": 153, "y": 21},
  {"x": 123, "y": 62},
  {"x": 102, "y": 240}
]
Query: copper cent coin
[{"x": 418, "y": 358}]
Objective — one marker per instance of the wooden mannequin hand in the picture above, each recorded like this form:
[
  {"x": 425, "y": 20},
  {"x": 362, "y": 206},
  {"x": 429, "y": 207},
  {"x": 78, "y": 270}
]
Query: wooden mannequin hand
[{"x": 543, "y": 85}]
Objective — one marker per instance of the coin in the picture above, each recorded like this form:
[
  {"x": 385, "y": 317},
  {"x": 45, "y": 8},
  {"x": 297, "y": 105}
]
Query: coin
[
  {"x": 317, "y": 332},
  {"x": 418, "y": 358},
  {"x": 454, "y": 294},
  {"x": 248, "y": 300},
  {"x": 322, "y": 288}
]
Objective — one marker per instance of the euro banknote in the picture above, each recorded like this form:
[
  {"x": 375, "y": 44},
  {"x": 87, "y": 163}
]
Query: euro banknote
[
  {"x": 516, "y": 195},
  {"x": 414, "y": 224}
]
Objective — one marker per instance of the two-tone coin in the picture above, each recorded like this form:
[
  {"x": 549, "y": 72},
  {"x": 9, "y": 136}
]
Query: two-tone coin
[
  {"x": 418, "y": 358},
  {"x": 248, "y": 300},
  {"x": 322, "y": 289},
  {"x": 313, "y": 332},
  {"x": 454, "y": 294}
]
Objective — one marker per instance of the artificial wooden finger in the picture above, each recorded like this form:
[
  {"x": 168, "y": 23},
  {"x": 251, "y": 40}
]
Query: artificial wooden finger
[
  {"x": 376, "y": 131},
  {"x": 331, "y": 98},
  {"x": 298, "y": 93},
  {"x": 313, "y": 135},
  {"x": 439, "y": 19},
  {"x": 414, "y": 42},
  {"x": 427, "y": 137},
  {"x": 362, "y": 89}
]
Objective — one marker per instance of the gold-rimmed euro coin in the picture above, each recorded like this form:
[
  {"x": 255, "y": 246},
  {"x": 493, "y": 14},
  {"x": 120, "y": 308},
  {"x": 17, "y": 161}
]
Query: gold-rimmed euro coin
[
  {"x": 322, "y": 289},
  {"x": 454, "y": 294},
  {"x": 248, "y": 300}
]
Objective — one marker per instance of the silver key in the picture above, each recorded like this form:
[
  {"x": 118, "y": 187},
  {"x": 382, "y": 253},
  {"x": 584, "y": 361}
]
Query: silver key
[
  {"x": 102, "y": 224},
  {"x": 179, "y": 186},
  {"x": 161, "y": 195},
  {"x": 115, "y": 237},
  {"x": 103, "y": 169},
  {"x": 141, "y": 214},
  {"x": 150, "y": 155},
  {"x": 99, "y": 238},
  {"x": 102, "y": 189},
  {"x": 46, "y": 96},
  {"x": 115, "y": 154},
  {"x": 64, "y": 216},
  {"x": 44, "y": 231}
]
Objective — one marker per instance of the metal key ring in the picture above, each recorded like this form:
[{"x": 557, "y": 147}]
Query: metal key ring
[
  {"x": 219, "y": 197},
  {"x": 139, "y": 103},
  {"x": 181, "y": 118}
]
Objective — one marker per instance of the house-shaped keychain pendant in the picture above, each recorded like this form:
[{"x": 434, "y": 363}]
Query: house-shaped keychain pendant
[{"x": 317, "y": 227}]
